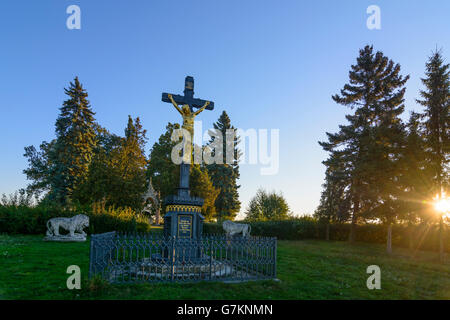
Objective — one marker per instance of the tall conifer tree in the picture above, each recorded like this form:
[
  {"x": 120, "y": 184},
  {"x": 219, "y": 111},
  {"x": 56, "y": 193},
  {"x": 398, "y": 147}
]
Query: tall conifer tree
[
  {"x": 117, "y": 174},
  {"x": 414, "y": 178},
  {"x": 334, "y": 202},
  {"x": 375, "y": 90},
  {"x": 224, "y": 176},
  {"x": 68, "y": 157},
  {"x": 165, "y": 173},
  {"x": 436, "y": 124},
  {"x": 130, "y": 163}
]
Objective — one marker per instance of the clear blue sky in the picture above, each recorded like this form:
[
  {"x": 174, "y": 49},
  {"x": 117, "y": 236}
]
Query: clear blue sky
[{"x": 269, "y": 64}]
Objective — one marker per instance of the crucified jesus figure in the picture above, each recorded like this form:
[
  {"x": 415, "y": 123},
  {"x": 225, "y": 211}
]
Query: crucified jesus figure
[{"x": 188, "y": 115}]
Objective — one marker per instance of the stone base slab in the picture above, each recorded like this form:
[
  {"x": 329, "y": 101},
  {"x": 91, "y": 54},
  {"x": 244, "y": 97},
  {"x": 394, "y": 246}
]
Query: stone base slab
[{"x": 66, "y": 238}]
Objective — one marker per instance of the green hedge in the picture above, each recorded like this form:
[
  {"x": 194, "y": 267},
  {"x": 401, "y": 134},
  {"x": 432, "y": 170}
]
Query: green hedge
[
  {"x": 424, "y": 237},
  {"x": 32, "y": 220}
]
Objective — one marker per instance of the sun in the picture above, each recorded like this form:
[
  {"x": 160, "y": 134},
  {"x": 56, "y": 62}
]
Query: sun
[{"x": 442, "y": 205}]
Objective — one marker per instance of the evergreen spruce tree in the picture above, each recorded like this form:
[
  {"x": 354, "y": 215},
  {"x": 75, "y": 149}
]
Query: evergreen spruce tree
[
  {"x": 67, "y": 158},
  {"x": 436, "y": 124},
  {"x": 75, "y": 141},
  {"x": 117, "y": 174},
  {"x": 224, "y": 176},
  {"x": 384, "y": 169},
  {"x": 375, "y": 90},
  {"x": 334, "y": 204},
  {"x": 102, "y": 175},
  {"x": 162, "y": 170},
  {"x": 165, "y": 174},
  {"x": 414, "y": 178},
  {"x": 131, "y": 165},
  {"x": 201, "y": 186}
]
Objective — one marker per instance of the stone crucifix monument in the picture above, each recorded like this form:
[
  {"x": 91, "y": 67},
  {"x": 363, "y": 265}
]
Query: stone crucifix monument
[{"x": 183, "y": 218}]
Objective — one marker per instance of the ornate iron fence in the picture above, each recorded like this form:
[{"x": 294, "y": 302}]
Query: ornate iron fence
[{"x": 122, "y": 258}]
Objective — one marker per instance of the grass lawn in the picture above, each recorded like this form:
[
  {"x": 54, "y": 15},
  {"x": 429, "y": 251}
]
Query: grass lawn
[{"x": 33, "y": 269}]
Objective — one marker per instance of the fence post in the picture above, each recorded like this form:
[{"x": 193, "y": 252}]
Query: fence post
[
  {"x": 210, "y": 258},
  {"x": 275, "y": 259},
  {"x": 172, "y": 259},
  {"x": 91, "y": 254}
]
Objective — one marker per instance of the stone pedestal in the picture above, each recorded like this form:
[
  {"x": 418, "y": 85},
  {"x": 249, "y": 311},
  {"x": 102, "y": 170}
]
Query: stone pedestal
[{"x": 183, "y": 219}]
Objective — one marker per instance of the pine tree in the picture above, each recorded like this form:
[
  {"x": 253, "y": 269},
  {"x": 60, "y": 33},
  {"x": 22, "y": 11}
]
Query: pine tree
[
  {"x": 102, "y": 175},
  {"x": 165, "y": 174},
  {"x": 414, "y": 178},
  {"x": 117, "y": 175},
  {"x": 436, "y": 124},
  {"x": 162, "y": 170},
  {"x": 224, "y": 176},
  {"x": 201, "y": 186},
  {"x": 67, "y": 158},
  {"x": 133, "y": 160},
  {"x": 334, "y": 204},
  {"x": 74, "y": 143},
  {"x": 131, "y": 165},
  {"x": 375, "y": 90}
]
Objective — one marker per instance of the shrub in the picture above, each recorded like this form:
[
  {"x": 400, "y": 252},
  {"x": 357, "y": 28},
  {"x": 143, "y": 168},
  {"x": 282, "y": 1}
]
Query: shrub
[
  {"x": 32, "y": 220},
  {"x": 212, "y": 228},
  {"x": 424, "y": 237}
]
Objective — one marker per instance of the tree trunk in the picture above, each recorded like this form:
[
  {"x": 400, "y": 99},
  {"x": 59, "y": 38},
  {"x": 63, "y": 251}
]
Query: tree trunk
[
  {"x": 157, "y": 217},
  {"x": 411, "y": 239},
  {"x": 389, "y": 239},
  {"x": 441, "y": 239},
  {"x": 351, "y": 236},
  {"x": 327, "y": 232},
  {"x": 356, "y": 198},
  {"x": 158, "y": 209},
  {"x": 441, "y": 220}
]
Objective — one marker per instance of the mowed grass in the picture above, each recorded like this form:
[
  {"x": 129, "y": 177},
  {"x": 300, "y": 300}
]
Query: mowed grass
[{"x": 33, "y": 269}]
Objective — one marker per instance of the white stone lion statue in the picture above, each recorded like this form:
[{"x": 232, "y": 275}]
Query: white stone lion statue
[
  {"x": 231, "y": 228},
  {"x": 76, "y": 223}
]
